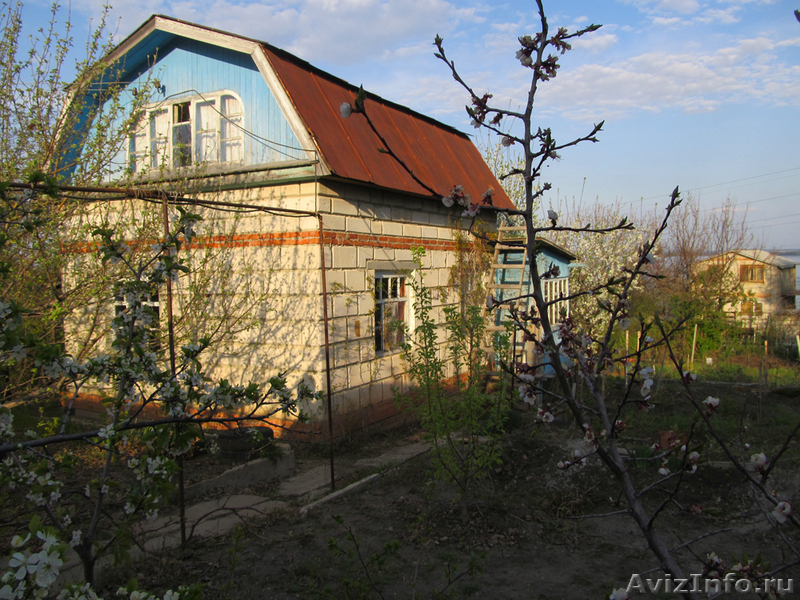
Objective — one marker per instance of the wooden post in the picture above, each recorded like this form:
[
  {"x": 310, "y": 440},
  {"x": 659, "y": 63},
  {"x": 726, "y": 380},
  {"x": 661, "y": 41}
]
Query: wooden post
[
  {"x": 694, "y": 343},
  {"x": 171, "y": 339},
  {"x": 627, "y": 342},
  {"x": 797, "y": 337}
]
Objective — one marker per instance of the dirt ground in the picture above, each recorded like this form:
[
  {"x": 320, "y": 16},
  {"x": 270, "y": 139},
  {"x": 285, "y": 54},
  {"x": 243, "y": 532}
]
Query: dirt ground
[{"x": 526, "y": 537}]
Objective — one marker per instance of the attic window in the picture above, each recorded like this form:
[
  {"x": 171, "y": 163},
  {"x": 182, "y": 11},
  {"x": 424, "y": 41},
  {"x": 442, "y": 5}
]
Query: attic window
[
  {"x": 202, "y": 130},
  {"x": 751, "y": 273}
]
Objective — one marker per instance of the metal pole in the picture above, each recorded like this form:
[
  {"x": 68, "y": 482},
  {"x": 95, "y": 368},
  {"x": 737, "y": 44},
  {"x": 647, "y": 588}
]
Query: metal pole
[
  {"x": 171, "y": 338},
  {"x": 327, "y": 343}
]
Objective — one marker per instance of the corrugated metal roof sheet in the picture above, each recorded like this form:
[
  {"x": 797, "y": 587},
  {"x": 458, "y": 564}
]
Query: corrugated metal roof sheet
[
  {"x": 437, "y": 154},
  {"x": 760, "y": 256}
]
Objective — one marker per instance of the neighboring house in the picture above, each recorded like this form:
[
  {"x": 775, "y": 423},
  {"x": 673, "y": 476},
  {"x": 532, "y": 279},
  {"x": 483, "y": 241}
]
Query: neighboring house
[
  {"x": 767, "y": 285},
  {"x": 267, "y": 129}
]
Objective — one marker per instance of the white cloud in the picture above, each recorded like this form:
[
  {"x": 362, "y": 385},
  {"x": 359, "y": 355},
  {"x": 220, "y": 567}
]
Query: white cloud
[
  {"x": 595, "y": 43},
  {"x": 331, "y": 31},
  {"x": 747, "y": 72},
  {"x": 667, "y": 22},
  {"x": 727, "y": 16},
  {"x": 666, "y": 6}
]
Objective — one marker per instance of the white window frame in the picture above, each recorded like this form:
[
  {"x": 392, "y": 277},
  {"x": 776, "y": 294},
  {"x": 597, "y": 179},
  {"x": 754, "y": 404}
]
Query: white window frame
[
  {"x": 552, "y": 290},
  {"x": 396, "y": 295},
  {"x": 153, "y": 301},
  {"x": 171, "y": 135}
]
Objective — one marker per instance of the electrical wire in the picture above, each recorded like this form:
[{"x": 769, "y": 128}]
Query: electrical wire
[
  {"x": 705, "y": 187},
  {"x": 265, "y": 141}
]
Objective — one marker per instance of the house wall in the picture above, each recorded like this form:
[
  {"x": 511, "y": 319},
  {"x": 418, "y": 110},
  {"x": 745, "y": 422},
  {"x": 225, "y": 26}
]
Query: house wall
[
  {"x": 263, "y": 270},
  {"x": 370, "y": 230},
  {"x": 769, "y": 292}
]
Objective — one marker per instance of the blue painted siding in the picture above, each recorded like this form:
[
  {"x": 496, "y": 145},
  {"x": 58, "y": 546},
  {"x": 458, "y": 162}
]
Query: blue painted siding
[
  {"x": 511, "y": 276},
  {"x": 543, "y": 260},
  {"x": 188, "y": 69}
]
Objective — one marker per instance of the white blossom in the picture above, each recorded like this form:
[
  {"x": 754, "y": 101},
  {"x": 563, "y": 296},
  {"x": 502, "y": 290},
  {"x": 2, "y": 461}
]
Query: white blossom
[
  {"x": 619, "y": 594},
  {"x": 782, "y": 511},
  {"x": 759, "y": 460}
]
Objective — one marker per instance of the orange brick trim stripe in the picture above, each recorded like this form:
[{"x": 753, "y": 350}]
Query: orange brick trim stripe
[{"x": 296, "y": 238}]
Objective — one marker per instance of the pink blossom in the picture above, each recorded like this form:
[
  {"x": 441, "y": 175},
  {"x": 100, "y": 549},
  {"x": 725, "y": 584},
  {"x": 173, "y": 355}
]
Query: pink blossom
[
  {"x": 448, "y": 201},
  {"x": 711, "y": 403}
]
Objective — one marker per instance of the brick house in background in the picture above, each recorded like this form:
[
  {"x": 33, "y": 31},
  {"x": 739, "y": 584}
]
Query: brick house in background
[{"x": 267, "y": 129}]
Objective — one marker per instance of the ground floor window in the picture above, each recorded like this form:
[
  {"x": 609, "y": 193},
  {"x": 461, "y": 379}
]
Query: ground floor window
[
  {"x": 754, "y": 309},
  {"x": 150, "y": 301},
  {"x": 391, "y": 309}
]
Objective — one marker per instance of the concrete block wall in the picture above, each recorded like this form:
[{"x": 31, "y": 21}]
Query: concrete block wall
[
  {"x": 267, "y": 267},
  {"x": 371, "y": 230}
]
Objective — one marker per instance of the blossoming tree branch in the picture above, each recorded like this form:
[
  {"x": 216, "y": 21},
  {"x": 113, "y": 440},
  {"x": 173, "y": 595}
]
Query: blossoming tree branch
[
  {"x": 568, "y": 354},
  {"x": 135, "y": 378}
]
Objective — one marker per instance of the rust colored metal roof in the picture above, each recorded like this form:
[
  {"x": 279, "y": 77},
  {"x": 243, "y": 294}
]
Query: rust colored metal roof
[{"x": 437, "y": 154}]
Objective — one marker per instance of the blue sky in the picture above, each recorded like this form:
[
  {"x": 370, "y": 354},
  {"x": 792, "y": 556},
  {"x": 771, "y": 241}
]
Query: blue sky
[{"x": 703, "y": 94}]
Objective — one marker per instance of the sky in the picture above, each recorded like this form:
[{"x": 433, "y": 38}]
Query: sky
[{"x": 704, "y": 95}]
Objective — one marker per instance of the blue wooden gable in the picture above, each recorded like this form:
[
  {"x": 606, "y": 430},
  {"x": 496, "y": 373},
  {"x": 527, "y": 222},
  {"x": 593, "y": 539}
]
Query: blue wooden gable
[
  {"x": 211, "y": 104},
  {"x": 188, "y": 68}
]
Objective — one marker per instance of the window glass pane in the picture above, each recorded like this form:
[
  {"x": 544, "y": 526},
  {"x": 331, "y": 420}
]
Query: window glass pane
[
  {"x": 379, "y": 327},
  {"x": 137, "y": 150},
  {"x": 182, "y": 145},
  {"x": 181, "y": 112},
  {"x": 390, "y": 312},
  {"x": 206, "y": 124},
  {"x": 159, "y": 128},
  {"x": 230, "y": 106}
]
